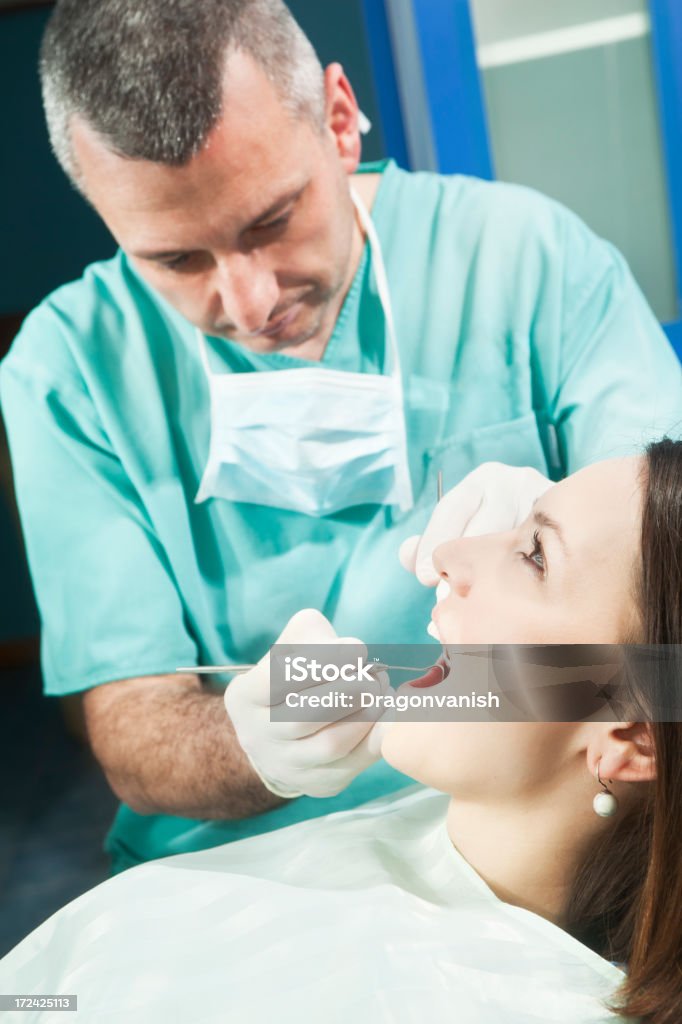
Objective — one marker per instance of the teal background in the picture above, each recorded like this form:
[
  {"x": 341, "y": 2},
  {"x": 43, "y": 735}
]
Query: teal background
[{"x": 49, "y": 233}]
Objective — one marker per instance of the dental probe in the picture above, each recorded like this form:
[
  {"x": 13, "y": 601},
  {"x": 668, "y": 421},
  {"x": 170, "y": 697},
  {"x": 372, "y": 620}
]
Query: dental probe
[
  {"x": 214, "y": 670},
  {"x": 209, "y": 670}
]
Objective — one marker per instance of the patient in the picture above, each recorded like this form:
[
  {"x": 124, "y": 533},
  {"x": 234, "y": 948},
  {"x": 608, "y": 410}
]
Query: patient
[
  {"x": 505, "y": 899},
  {"x": 600, "y": 561}
]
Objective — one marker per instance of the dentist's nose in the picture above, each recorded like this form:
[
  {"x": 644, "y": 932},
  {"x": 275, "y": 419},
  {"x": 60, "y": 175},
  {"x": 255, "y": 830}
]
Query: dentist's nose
[{"x": 248, "y": 292}]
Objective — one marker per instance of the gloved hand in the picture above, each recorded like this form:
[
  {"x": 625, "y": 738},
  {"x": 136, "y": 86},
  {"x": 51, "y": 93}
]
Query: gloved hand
[
  {"x": 493, "y": 498},
  {"x": 303, "y": 758}
]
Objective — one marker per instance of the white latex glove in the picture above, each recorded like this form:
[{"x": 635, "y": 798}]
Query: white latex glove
[
  {"x": 303, "y": 758},
  {"x": 493, "y": 498}
]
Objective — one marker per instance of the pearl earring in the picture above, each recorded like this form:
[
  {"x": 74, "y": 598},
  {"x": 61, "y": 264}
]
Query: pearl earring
[{"x": 605, "y": 804}]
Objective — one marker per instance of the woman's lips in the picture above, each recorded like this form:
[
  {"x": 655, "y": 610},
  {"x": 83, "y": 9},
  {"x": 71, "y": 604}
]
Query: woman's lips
[{"x": 433, "y": 676}]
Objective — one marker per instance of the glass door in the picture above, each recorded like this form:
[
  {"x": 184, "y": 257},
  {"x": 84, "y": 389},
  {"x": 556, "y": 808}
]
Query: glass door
[{"x": 571, "y": 102}]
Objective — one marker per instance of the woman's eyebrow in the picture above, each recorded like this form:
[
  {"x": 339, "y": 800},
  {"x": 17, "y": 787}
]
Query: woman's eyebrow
[{"x": 542, "y": 519}]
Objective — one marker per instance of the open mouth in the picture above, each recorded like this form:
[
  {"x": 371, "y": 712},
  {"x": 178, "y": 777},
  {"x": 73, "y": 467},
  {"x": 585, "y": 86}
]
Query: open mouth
[{"x": 433, "y": 676}]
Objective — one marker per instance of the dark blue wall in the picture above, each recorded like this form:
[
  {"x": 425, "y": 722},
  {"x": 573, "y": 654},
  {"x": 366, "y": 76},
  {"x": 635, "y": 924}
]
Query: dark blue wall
[{"x": 48, "y": 232}]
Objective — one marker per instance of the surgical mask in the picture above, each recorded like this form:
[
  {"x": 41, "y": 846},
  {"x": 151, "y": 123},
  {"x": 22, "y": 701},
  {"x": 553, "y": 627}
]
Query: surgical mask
[{"x": 311, "y": 440}]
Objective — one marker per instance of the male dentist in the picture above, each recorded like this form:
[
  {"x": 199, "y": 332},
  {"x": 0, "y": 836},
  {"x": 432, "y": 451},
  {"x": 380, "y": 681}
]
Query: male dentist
[{"x": 243, "y": 414}]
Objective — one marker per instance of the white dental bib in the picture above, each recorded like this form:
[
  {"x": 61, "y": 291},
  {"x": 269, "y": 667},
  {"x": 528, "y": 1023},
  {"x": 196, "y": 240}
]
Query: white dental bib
[
  {"x": 369, "y": 915},
  {"x": 311, "y": 440}
]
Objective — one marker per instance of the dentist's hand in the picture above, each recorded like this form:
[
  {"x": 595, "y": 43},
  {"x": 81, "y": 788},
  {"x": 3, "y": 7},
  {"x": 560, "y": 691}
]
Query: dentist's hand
[
  {"x": 303, "y": 758},
  {"x": 493, "y": 498}
]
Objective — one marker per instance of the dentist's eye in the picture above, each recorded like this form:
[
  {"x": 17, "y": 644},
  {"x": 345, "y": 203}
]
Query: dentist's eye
[
  {"x": 272, "y": 225},
  {"x": 536, "y": 558},
  {"x": 277, "y": 224},
  {"x": 176, "y": 263}
]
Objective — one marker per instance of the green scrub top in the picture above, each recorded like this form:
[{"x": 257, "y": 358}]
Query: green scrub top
[{"x": 523, "y": 338}]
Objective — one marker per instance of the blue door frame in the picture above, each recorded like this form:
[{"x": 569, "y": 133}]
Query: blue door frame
[
  {"x": 666, "y": 35},
  {"x": 449, "y": 75}
]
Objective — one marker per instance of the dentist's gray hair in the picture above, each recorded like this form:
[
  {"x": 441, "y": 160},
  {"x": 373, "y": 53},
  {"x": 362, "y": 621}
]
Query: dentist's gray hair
[{"x": 147, "y": 75}]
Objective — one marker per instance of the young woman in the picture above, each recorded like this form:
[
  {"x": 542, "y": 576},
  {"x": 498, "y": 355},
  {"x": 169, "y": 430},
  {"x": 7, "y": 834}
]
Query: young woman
[
  {"x": 599, "y": 562},
  {"x": 503, "y": 897}
]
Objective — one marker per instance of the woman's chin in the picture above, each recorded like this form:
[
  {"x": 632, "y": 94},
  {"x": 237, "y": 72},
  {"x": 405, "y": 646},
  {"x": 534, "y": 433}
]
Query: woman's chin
[{"x": 405, "y": 746}]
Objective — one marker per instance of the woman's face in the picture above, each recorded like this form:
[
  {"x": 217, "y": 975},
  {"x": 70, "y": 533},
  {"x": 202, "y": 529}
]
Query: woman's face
[{"x": 567, "y": 575}]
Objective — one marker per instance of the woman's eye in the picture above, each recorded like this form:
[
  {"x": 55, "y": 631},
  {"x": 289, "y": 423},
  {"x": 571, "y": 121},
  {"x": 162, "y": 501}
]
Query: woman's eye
[{"x": 536, "y": 558}]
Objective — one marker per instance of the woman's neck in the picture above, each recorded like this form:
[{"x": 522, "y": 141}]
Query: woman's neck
[{"x": 527, "y": 854}]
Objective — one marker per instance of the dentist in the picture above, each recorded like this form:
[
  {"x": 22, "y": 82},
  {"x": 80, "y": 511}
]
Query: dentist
[{"x": 244, "y": 412}]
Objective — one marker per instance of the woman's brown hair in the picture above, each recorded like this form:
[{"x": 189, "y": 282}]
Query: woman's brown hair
[{"x": 627, "y": 898}]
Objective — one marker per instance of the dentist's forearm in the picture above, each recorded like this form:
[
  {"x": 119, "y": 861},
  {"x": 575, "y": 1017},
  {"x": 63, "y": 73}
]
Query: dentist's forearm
[{"x": 167, "y": 746}]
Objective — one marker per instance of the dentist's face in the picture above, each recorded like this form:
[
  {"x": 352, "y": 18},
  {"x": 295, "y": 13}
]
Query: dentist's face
[
  {"x": 252, "y": 239},
  {"x": 567, "y": 575}
]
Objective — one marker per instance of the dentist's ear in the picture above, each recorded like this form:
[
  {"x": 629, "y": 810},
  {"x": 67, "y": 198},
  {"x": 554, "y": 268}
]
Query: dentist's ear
[
  {"x": 623, "y": 752},
  {"x": 342, "y": 116}
]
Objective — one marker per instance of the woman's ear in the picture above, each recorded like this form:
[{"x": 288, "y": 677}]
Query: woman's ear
[{"x": 623, "y": 752}]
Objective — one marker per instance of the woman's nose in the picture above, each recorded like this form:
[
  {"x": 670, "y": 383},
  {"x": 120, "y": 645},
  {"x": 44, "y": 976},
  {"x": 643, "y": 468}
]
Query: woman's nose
[{"x": 453, "y": 565}]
